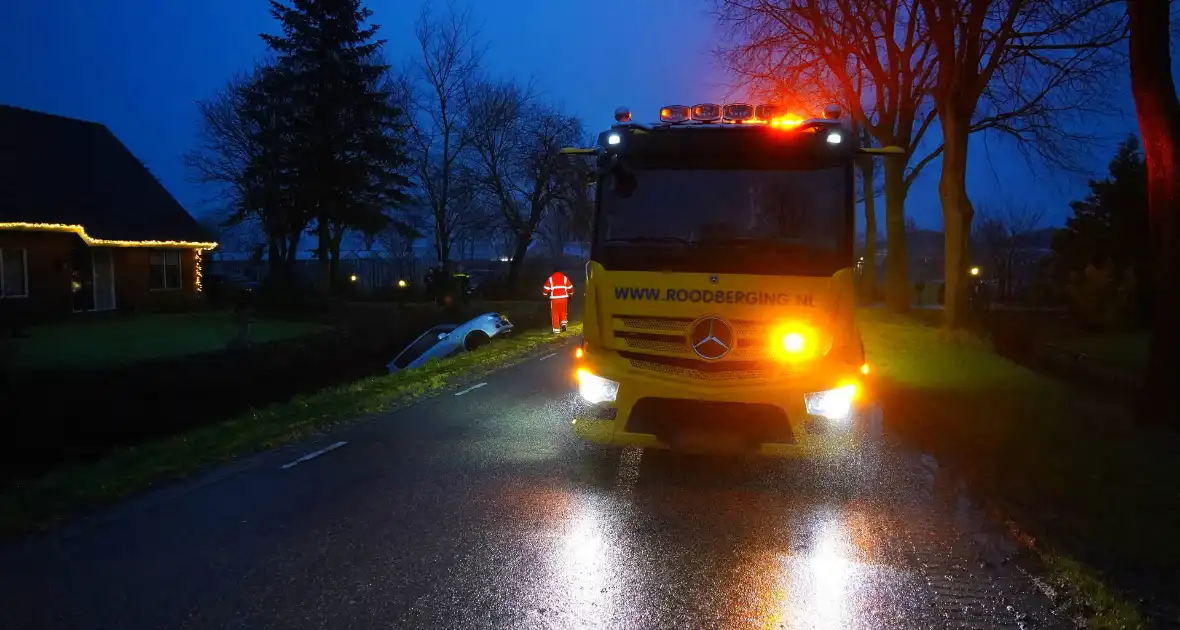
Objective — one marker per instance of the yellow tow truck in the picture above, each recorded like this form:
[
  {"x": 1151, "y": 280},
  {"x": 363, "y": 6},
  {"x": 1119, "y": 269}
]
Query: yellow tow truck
[{"x": 719, "y": 296}]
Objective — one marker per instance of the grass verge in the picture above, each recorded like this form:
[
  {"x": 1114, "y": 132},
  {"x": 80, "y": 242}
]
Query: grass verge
[
  {"x": 49, "y": 499},
  {"x": 121, "y": 340},
  {"x": 1096, "y": 493},
  {"x": 1126, "y": 351}
]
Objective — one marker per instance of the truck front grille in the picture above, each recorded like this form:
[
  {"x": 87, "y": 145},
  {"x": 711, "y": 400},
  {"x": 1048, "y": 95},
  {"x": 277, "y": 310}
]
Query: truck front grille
[
  {"x": 698, "y": 369},
  {"x": 669, "y": 335}
]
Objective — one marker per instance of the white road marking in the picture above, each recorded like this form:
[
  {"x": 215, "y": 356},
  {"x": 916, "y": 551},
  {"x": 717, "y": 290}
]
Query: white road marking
[
  {"x": 313, "y": 455},
  {"x": 549, "y": 356},
  {"x": 470, "y": 389}
]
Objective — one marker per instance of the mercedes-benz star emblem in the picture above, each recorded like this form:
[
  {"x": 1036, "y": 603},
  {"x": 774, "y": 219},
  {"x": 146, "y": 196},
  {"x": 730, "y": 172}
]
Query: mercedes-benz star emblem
[{"x": 712, "y": 338}]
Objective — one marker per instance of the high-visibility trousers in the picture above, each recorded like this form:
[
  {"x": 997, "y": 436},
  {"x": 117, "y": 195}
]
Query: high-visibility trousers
[{"x": 559, "y": 312}]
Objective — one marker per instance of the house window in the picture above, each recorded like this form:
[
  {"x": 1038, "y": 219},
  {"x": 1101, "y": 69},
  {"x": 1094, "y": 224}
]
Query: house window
[
  {"x": 165, "y": 270},
  {"x": 14, "y": 273}
]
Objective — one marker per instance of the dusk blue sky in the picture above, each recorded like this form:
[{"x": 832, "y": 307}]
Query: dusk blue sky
[{"x": 138, "y": 66}]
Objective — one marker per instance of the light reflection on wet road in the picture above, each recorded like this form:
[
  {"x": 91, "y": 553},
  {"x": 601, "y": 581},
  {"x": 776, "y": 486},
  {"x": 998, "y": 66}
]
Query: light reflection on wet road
[{"x": 481, "y": 512}]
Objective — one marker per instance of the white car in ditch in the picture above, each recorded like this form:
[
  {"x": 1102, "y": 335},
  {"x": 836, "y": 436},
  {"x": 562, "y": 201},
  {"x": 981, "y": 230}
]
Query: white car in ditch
[{"x": 446, "y": 340}]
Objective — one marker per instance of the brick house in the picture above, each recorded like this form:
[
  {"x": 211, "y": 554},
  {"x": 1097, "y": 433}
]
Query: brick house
[{"x": 84, "y": 226}]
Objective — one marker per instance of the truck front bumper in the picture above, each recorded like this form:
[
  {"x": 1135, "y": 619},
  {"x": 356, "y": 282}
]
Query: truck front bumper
[{"x": 818, "y": 413}]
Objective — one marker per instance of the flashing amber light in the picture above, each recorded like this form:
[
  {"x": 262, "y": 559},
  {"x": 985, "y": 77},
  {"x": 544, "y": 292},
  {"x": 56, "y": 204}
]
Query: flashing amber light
[
  {"x": 579, "y": 353},
  {"x": 864, "y": 369},
  {"x": 793, "y": 342},
  {"x": 786, "y": 122}
]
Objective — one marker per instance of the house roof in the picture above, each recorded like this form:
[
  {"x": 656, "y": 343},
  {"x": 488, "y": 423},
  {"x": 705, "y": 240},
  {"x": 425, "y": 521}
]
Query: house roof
[{"x": 68, "y": 172}]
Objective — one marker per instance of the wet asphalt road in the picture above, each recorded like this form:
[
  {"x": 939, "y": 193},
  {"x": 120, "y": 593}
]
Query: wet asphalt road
[{"x": 480, "y": 511}]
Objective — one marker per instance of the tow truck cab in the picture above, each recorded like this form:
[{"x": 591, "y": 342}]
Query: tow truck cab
[{"x": 719, "y": 310}]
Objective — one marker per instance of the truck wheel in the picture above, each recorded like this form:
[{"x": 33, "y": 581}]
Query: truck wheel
[{"x": 475, "y": 339}]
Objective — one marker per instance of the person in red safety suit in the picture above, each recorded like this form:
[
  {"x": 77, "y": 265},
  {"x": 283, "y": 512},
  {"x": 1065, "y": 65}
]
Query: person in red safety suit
[{"x": 559, "y": 289}]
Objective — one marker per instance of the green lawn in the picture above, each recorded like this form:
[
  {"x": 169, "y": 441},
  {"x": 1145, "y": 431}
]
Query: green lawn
[
  {"x": 1098, "y": 493},
  {"x": 1124, "y": 350},
  {"x": 70, "y": 490},
  {"x": 118, "y": 340}
]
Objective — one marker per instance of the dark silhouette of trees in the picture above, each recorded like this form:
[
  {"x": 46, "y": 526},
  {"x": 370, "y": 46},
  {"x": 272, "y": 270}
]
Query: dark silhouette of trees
[
  {"x": 517, "y": 142},
  {"x": 1004, "y": 233},
  {"x": 1024, "y": 65},
  {"x": 433, "y": 90},
  {"x": 1108, "y": 228},
  {"x": 340, "y": 143},
  {"x": 238, "y": 155}
]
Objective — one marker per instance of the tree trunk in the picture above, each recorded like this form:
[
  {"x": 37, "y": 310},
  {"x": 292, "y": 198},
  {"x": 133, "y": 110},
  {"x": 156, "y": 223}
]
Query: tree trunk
[
  {"x": 322, "y": 247},
  {"x": 956, "y": 216},
  {"x": 274, "y": 257},
  {"x": 519, "y": 250},
  {"x": 1158, "y": 110},
  {"x": 897, "y": 276},
  {"x": 869, "y": 269}
]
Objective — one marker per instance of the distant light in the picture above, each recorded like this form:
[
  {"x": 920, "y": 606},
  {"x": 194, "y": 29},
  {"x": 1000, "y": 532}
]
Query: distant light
[
  {"x": 352, "y": 277},
  {"x": 503, "y": 259},
  {"x": 975, "y": 271},
  {"x": 835, "y": 137},
  {"x": 402, "y": 283},
  {"x": 614, "y": 138}
]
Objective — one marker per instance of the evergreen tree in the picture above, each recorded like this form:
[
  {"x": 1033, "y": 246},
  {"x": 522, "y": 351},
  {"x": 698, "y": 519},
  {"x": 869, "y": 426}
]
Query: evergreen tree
[
  {"x": 344, "y": 137},
  {"x": 1109, "y": 228}
]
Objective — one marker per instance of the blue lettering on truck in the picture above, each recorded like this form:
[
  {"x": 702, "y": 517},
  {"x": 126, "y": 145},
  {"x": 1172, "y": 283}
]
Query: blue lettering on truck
[{"x": 713, "y": 296}]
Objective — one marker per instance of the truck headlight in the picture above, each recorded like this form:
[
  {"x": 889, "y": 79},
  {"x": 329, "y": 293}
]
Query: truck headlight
[
  {"x": 832, "y": 404},
  {"x": 595, "y": 389}
]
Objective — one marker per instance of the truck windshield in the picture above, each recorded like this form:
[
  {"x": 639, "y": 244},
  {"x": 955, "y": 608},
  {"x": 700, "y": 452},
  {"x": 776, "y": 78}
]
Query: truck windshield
[
  {"x": 724, "y": 207},
  {"x": 796, "y": 214}
]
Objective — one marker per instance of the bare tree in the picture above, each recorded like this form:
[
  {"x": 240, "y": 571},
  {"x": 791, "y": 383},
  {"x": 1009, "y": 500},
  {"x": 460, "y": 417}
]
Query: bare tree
[
  {"x": 1003, "y": 233},
  {"x": 1158, "y": 110},
  {"x": 1022, "y": 64},
  {"x": 518, "y": 142},
  {"x": 233, "y": 158},
  {"x": 433, "y": 92}
]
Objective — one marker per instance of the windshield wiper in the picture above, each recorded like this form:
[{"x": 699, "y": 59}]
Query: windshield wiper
[{"x": 651, "y": 239}]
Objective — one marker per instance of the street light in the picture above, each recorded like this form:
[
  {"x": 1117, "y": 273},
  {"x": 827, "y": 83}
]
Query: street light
[{"x": 975, "y": 271}]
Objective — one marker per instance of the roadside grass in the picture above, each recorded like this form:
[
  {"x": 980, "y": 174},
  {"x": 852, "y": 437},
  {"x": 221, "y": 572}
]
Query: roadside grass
[
  {"x": 1097, "y": 493},
  {"x": 69, "y": 491},
  {"x": 108, "y": 341},
  {"x": 1124, "y": 350}
]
